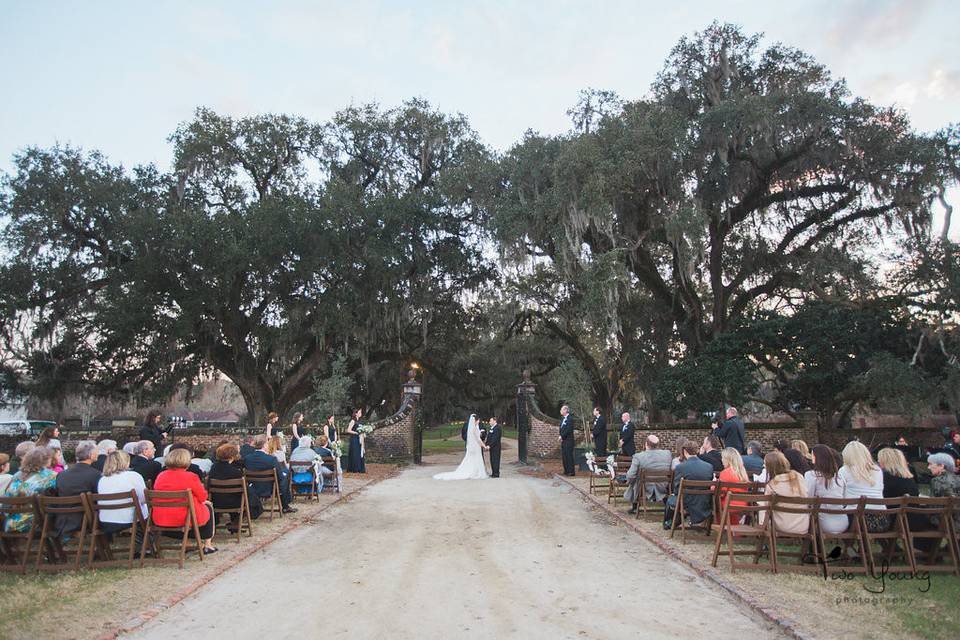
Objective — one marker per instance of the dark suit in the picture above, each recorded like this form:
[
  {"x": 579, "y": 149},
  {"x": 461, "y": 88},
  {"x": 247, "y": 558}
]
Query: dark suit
[
  {"x": 78, "y": 478},
  {"x": 260, "y": 461},
  {"x": 245, "y": 450},
  {"x": 149, "y": 469},
  {"x": 567, "y": 445},
  {"x": 732, "y": 433},
  {"x": 153, "y": 434},
  {"x": 227, "y": 471},
  {"x": 753, "y": 464},
  {"x": 493, "y": 441},
  {"x": 626, "y": 434},
  {"x": 463, "y": 430},
  {"x": 599, "y": 432},
  {"x": 699, "y": 508},
  {"x": 714, "y": 458},
  {"x": 98, "y": 463}
]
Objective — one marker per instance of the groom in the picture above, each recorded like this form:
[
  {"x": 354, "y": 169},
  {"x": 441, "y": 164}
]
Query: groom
[
  {"x": 566, "y": 441},
  {"x": 493, "y": 446}
]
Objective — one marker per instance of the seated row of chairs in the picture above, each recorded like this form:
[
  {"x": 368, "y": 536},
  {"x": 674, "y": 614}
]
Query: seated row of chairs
[
  {"x": 40, "y": 542},
  {"x": 904, "y": 546}
]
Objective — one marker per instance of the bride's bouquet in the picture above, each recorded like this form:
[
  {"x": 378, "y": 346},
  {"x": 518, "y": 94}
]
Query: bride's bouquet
[
  {"x": 364, "y": 429},
  {"x": 336, "y": 450}
]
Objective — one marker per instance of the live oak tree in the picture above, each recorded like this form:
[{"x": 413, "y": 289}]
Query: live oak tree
[
  {"x": 747, "y": 176},
  {"x": 274, "y": 245}
]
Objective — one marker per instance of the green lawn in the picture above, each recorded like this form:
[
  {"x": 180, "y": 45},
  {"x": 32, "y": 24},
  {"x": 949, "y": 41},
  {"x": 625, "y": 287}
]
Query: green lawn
[{"x": 933, "y": 614}]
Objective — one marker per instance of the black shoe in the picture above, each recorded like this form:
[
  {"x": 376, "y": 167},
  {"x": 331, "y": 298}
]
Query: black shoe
[
  {"x": 495, "y": 475},
  {"x": 835, "y": 553},
  {"x": 289, "y": 510},
  {"x": 667, "y": 526},
  {"x": 632, "y": 510}
]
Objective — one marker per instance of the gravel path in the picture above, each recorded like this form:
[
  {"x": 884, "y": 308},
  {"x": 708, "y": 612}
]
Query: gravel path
[{"x": 417, "y": 558}]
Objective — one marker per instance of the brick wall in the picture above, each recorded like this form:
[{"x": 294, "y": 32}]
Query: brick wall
[{"x": 393, "y": 437}]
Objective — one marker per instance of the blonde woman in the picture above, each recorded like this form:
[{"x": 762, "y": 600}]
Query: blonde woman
[
  {"x": 117, "y": 478},
  {"x": 733, "y": 471},
  {"x": 802, "y": 447},
  {"x": 784, "y": 481},
  {"x": 897, "y": 479},
  {"x": 275, "y": 448},
  {"x": 861, "y": 477}
]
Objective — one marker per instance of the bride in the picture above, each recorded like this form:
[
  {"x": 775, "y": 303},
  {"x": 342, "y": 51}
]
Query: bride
[{"x": 472, "y": 467}]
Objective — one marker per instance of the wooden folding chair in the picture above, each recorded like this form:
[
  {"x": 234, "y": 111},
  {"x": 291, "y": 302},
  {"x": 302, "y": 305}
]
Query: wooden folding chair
[
  {"x": 50, "y": 508},
  {"x": 938, "y": 510},
  {"x": 101, "y": 542},
  {"x": 331, "y": 463},
  {"x": 244, "y": 522},
  {"x": 954, "y": 527},
  {"x": 807, "y": 540},
  {"x": 750, "y": 507},
  {"x": 851, "y": 538},
  {"x": 171, "y": 499},
  {"x": 894, "y": 541},
  {"x": 615, "y": 490},
  {"x": 268, "y": 475},
  {"x": 598, "y": 484},
  {"x": 648, "y": 477},
  {"x": 304, "y": 467},
  {"x": 731, "y": 488},
  {"x": 686, "y": 489},
  {"x": 10, "y": 540}
]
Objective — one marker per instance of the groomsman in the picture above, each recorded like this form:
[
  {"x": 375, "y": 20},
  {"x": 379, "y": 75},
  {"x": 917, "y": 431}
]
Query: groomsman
[
  {"x": 599, "y": 434},
  {"x": 493, "y": 442},
  {"x": 627, "y": 446},
  {"x": 566, "y": 441}
]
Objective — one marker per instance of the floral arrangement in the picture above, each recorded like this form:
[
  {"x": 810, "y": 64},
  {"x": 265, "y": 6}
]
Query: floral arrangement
[
  {"x": 364, "y": 429},
  {"x": 591, "y": 459},
  {"x": 336, "y": 450}
]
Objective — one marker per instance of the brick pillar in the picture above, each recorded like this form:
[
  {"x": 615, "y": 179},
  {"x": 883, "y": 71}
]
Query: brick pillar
[
  {"x": 525, "y": 391},
  {"x": 394, "y": 437}
]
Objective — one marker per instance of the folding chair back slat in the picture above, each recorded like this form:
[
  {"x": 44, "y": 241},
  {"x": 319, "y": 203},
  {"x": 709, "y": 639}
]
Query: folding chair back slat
[
  {"x": 851, "y": 538},
  {"x": 687, "y": 489},
  {"x": 50, "y": 507},
  {"x": 102, "y": 541},
  {"x": 171, "y": 500},
  {"x": 893, "y": 539},
  {"x": 751, "y": 506},
  {"x": 648, "y": 477},
  {"x": 931, "y": 523},
  {"x": 232, "y": 487},
  {"x": 268, "y": 475},
  {"x": 806, "y": 508},
  {"x": 10, "y": 540},
  {"x": 305, "y": 467}
]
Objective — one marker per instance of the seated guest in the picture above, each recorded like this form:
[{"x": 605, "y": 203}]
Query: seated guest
[
  {"x": 192, "y": 468},
  {"x": 131, "y": 448},
  {"x": 823, "y": 481},
  {"x": 952, "y": 445},
  {"x": 784, "y": 481},
  {"x": 733, "y": 471},
  {"x": 652, "y": 458},
  {"x": 201, "y": 461},
  {"x": 33, "y": 478},
  {"x": 79, "y": 478},
  {"x": 945, "y": 482},
  {"x": 753, "y": 461},
  {"x": 804, "y": 450},
  {"x": 322, "y": 447},
  {"x": 710, "y": 452},
  {"x": 56, "y": 457},
  {"x": 306, "y": 453},
  {"x": 177, "y": 478},
  {"x": 275, "y": 448},
  {"x": 262, "y": 460},
  {"x": 142, "y": 460},
  {"x": 861, "y": 477},
  {"x": 247, "y": 447},
  {"x": 104, "y": 448},
  {"x": 22, "y": 449},
  {"x": 897, "y": 478},
  {"x": 699, "y": 508},
  {"x": 118, "y": 478},
  {"x": 228, "y": 467},
  {"x": 797, "y": 461},
  {"x": 5, "y": 476}
]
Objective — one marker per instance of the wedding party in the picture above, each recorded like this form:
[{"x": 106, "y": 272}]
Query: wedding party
[{"x": 518, "y": 319}]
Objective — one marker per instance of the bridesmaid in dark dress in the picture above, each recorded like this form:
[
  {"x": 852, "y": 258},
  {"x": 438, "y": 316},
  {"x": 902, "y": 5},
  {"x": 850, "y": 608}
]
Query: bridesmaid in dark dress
[
  {"x": 272, "y": 429},
  {"x": 355, "y": 457},
  {"x": 330, "y": 430}
]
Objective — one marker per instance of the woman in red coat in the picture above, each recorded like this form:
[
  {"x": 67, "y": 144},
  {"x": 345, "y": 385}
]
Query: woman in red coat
[{"x": 177, "y": 478}]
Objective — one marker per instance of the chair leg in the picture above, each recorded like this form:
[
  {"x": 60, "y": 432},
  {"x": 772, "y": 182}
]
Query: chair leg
[
  {"x": 143, "y": 546},
  {"x": 83, "y": 531},
  {"x": 43, "y": 542},
  {"x": 196, "y": 534}
]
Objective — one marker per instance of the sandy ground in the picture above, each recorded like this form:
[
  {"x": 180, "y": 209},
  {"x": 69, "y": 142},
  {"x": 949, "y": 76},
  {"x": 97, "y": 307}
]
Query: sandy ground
[{"x": 412, "y": 557}]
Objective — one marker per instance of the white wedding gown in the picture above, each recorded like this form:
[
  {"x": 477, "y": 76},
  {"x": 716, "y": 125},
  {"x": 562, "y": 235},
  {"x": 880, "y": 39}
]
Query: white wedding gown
[{"x": 472, "y": 467}]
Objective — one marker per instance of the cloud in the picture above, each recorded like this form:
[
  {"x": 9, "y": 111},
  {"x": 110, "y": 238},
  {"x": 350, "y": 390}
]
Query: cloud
[
  {"x": 936, "y": 84},
  {"x": 879, "y": 22}
]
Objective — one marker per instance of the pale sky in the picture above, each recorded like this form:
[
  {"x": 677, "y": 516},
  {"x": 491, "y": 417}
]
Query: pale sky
[{"x": 120, "y": 75}]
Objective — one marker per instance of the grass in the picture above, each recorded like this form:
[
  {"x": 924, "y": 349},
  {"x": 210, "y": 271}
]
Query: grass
[{"x": 927, "y": 614}]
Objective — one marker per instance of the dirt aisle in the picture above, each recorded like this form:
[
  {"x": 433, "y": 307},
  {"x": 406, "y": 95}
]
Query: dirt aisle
[{"x": 417, "y": 558}]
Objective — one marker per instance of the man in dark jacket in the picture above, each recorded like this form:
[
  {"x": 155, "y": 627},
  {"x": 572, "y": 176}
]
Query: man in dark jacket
[
  {"x": 143, "y": 463},
  {"x": 599, "y": 433},
  {"x": 732, "y": 432},
  {"x": 493, "y": 442},
  {"x": 627, "y": 446},
  {"x": 78, "y": 478},
  {"x": 567, "y": 442},
  {"x": 699, "y": 508},
  {"x": 753, "y": 461},
  {"x": 247, "y": 447},
  {"x": 260, "y": 460},
  {"x": 710, "y": 452}
]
